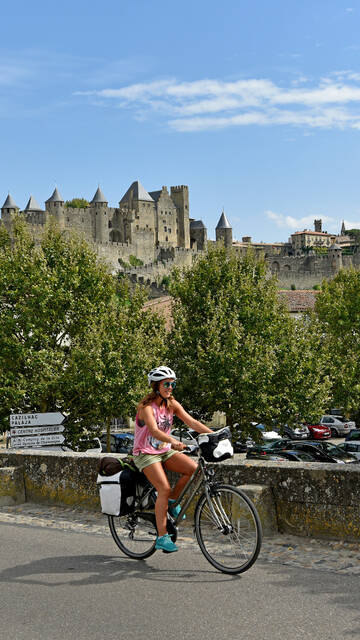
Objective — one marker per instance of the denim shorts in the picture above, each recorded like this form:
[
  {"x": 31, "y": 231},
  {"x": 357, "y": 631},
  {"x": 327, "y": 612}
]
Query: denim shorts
[{"x": 143, "y": 460}]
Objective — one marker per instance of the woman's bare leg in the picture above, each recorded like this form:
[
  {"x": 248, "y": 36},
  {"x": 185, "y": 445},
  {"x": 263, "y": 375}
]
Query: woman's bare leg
[
  {"x": 157, "y": 476},
  {"x": 180, "y": 463}
]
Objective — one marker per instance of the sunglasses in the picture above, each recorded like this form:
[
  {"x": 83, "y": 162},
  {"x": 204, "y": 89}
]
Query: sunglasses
[{"x": 167, "y": 385}]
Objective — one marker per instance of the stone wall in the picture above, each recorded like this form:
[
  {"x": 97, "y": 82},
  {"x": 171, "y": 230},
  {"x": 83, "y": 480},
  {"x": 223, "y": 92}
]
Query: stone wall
[{"x": 310, "y": 499}]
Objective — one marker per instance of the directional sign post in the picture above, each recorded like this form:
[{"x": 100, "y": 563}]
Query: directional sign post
[
  {"x": 36, "y": 441},
  {"x": 36, "y": 419},
  {"x": 34, "y": 430}
]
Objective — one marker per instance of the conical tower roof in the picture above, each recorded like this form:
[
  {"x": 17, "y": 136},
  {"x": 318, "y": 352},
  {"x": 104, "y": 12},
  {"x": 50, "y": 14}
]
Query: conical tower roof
[
  {"x": 197, "y": 224},
  {"x": 99, "y": 197},
  {"x": 136, "y": 192},
  {"x": 56, "y": 197},
  {"x": 32, "y": 205},
  {"x": 9, "y": 203},
  {"x": 223, "y": 222}
]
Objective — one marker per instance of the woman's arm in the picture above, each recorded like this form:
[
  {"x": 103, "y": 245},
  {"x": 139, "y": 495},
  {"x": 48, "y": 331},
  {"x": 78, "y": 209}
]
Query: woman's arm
[
  {"x": 188, "y": 419},
  {"x": 147, "y": 416}
]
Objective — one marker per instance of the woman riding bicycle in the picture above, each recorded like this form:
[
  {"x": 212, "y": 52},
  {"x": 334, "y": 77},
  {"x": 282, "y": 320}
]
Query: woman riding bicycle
[{"x": 156, "y": 450}]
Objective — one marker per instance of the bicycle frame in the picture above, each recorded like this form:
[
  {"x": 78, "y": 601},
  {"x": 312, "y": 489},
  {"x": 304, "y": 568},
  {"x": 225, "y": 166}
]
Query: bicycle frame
[{"x": 199, "y": 477}]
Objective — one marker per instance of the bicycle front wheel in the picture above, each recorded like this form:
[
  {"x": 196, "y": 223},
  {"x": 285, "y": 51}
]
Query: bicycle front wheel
[
  {"x": 228, "y": 529},
  {"x": 135, "y": 534}
]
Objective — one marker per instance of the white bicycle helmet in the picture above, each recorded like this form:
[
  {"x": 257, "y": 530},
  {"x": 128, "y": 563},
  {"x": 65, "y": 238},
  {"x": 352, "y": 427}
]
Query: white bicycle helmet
[{"x": 160, "y": 373}]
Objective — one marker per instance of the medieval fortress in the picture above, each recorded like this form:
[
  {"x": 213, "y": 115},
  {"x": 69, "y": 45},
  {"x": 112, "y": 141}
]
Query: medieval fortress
[{"x": 149, "y": 232}]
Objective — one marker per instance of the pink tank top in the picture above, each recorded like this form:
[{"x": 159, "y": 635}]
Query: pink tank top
[{"x": 144, "y": 442}]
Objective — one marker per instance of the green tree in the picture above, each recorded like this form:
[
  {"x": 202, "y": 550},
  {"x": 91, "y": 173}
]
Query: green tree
[
  {"x": 235, "y": 347},
  {"x": 337, "y": 308},
  {"x": 355, "y": 233},
  {"x": 72, "y": 337},
  {"x": 77, "y": 203}
]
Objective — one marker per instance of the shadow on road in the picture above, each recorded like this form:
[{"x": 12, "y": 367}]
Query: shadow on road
[{"x": 96, "y": 569}]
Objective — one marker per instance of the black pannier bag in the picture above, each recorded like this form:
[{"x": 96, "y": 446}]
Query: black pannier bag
[
  {"x": 117, "y": 482},
  {"x": 216, "y": 447}
]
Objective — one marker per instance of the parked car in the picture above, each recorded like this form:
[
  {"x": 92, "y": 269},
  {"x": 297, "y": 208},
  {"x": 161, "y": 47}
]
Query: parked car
[
  {"x": 319, "y": 431},
  {"x": 325, "y": 452},
  {"x": 300, "y": 432},
  {"x": 352, "y": 447},
  {"x": 297, "y": 456},
  {"x": 186, "y": 436},
  {"x": 265, "y": 452},
  {"x": 338, "y": 425},
  {"x": 269, "y": 448},
  {"x": 268, "y": 436},
  {"x": 353, "y": 435},
  {"x": 119, "y": 442}
]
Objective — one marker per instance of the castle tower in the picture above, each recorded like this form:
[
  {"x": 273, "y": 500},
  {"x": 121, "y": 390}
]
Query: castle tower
[
  {"x": 55, "y": 207},
  {"x": 8, "y": 209},
  {"x": 140, "y": 212},
  {"x": 33, "y": 206},
  {"x": 318, "y": 225},
  {"x": 224, "y": 231},
  {"x": 100, "y": 206},
  {"x": 180, "y": 197},
  {"x": 335, "y": 257},
  {"x": 343, "y": 230}
]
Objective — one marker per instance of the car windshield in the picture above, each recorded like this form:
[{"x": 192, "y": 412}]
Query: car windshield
[
  {"x": 302, "y": 455},
  {"x": 330, "y": 448}
]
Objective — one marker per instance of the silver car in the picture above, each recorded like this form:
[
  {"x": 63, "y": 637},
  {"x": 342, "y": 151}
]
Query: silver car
[
  {"x": 352, "y": 446},
  {"x": 338, "y": 425}
]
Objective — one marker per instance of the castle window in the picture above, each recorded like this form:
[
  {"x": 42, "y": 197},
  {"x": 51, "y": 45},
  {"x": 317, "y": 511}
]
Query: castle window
[
  {"x": 186, "y": 206},
  {"x": 167, "y": 239},
  {"x": 165, "y": 229},
  {"x": 137, "y": 227},
  {"x": 169, "y": 230}
]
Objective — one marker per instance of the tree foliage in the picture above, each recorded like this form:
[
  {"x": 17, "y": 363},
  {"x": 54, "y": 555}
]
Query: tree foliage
[
  {"x": 235, "y": 347},
  {"x": 338, "y": 311},
  {"x": 77, "y": 203},
  {"x": 72, "y": 337}
]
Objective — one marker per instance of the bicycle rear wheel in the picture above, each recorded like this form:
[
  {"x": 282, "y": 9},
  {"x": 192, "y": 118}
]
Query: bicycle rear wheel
[
  {"x": 228, "y": 529},
  {"x": 135, "y": 534}
]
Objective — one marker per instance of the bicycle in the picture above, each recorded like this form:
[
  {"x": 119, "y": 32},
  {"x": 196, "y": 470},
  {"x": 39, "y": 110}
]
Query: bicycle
[{"x": 226, "y": 523}]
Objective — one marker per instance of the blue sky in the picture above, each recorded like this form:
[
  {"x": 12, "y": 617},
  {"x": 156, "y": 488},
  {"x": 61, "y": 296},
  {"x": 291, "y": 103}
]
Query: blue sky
[{"x": 254, "y": 104}]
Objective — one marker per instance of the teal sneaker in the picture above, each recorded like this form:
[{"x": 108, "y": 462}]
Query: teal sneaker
[
  {"x": 165, "y": 544},
  {"x": 174, "y": 511}
]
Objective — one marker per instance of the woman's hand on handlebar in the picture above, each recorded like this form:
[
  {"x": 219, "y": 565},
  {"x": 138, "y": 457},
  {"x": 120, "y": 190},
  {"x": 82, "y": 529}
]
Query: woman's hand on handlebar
[{"x": 178, "y": 446}]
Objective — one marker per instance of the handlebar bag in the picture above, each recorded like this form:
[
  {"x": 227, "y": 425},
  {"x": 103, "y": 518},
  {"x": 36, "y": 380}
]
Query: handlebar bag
[{"x": 216, "y": 447}]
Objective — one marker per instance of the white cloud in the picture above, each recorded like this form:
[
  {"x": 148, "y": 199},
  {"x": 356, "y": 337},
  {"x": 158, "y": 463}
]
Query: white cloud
[
  {"x": 351, "y": 225},
  {"x": 332, "y": 102},
  {"x": 299, "y": 224}
]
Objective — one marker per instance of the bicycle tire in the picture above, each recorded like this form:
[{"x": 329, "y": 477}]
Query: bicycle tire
[
  {"x": 134, "y": 534},
  {"x": 231, "y": 539}
]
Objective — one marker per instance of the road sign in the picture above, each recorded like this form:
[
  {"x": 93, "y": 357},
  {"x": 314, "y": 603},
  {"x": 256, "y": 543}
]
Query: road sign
[
  {"x": 36, "y": 431},
  {"x": 36, "y": 441},
  {"x": 35, "y": 419}
]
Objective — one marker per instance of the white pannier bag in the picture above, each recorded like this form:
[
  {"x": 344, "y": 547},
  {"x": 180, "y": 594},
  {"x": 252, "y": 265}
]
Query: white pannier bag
[{"x": 117, "y": 493}]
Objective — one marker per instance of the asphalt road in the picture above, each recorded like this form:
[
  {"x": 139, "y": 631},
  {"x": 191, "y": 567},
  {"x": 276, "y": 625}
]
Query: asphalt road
[{"x": 61, "y": 585}]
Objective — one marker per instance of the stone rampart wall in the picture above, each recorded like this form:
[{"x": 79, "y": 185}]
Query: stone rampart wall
[{"x": 311, "y": 499}]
